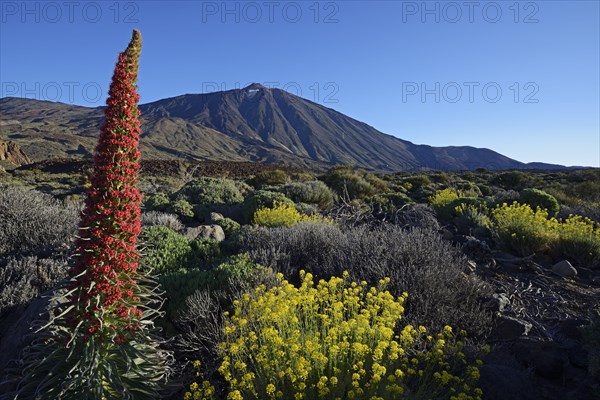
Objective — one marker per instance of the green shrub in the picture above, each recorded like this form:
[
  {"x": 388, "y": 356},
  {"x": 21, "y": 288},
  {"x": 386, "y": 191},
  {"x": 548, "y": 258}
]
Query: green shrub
[
  {"x": 353, "y": 184},
  {"x": 418, "y": 181},
  {"x": 440, "y": 177},
  {"x": 515, "y": 180},
  {"x": 579, "y": 241},
  {"x": 468, "y": 188},
  {"x": 313, "y": 192},
  {"x": 471, "y": 216},
  {"x": 486, "y": 190},
  {"x": 166, "y": 249},
  {"x": 157, "y": 202},
  {"x": 336, "y": 340},
  {"x": 183, "y": 209},
  {"x": 389, "y": 202},
  {"x": 538, "y": 198},
  {"x": 262, "y": 199},
  {"x": 182, "y": 283},
  {"x": 211, "y": 191},
  {"x": 203, "y": 252},
  {"x": 522, "y": 230},
  {"x": 450, "y": 210},
  {"x": 272, "y": 177}
]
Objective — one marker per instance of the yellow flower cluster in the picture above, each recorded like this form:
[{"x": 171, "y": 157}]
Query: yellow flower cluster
[
  {"x": 579, "y": 240},
  {"x": 526, "y": 231},
  {"x": 337, "y": 340},
  {"x": 199, "y": 392},
  {"x": 284, "y": 215},
  {"x": 443, "y": 197}
]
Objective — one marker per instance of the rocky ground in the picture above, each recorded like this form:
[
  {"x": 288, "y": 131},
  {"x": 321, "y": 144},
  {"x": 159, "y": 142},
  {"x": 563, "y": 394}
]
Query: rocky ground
[{"x": 541, "y": 309}]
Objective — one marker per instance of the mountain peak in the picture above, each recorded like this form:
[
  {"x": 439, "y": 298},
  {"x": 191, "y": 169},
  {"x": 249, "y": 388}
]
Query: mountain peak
[{"x": 254, "y": 86}]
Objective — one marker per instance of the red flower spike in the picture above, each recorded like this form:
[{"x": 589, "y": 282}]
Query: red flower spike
[{"x": 111, "y": 220}]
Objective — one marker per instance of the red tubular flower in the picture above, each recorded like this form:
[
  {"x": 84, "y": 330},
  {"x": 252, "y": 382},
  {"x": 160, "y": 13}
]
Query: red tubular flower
[{"x": 108, "y": 257}]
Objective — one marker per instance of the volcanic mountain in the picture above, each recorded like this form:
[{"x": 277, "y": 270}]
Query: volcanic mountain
[{"x": 250, "y": 124}]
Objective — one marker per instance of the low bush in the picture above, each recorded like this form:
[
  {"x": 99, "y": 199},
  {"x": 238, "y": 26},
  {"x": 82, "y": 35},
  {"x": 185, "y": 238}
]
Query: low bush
[
  {"x": 335, "y": 340},
  {"x": 515, "y": 180},
  {"x": 312, "y": 192},
  {"x": 505, "y": 196},
  {"x": 34, "y": 223},
  {"x": 418, "y": 181},
  {"x": 472, "y": 216},
  {"x": 284, "y": 215},
  {"x": 523, "y": 230},
  {"x": 468, "y": 188},
  {"x": 182, "y": 283},
  {"x": 417, "y": 216},
  {"x": 24, "y": 278},
  {"x": 453, "y": 208},
  {"x": 418, "y": 261},
  {"x": 443, "y": 197},
  {"x": 263, "y": 199},
  {"x": 271, "y": 177},
  {"x": 203, "y": 253},
  {"x": 157, "y": 202},
  {"x": 182, "y": 208},
  {"x": 389, "y": 202},
  {"x": 153, "y": 218},
  {"x": 579, "y": 241},
  {"x": 352, "y": 183},
  {"x": 537, "y": 198},
  {"x": 166, "y": 250},
  {"x": 210, "y": 191}
]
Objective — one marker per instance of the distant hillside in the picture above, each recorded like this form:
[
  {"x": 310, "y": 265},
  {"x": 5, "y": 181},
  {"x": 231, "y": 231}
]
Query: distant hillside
[{"x": 250, "y": 124}]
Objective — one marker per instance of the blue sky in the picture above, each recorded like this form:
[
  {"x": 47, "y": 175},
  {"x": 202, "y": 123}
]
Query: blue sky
[{"x": 521, "y": 78}]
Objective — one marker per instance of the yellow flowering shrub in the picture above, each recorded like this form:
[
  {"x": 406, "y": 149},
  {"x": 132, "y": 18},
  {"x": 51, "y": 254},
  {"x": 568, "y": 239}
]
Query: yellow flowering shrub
[
  {"x": 336, "y": 340},
  {"x": 443, "y": 197},
  {"x": 579, "y": 240},
  {"x": 283, "y": 214},
  {"x": 523, "y": 230}
]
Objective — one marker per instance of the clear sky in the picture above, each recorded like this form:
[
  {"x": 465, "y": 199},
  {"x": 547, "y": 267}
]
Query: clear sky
[{"x": 519, "y": 77}]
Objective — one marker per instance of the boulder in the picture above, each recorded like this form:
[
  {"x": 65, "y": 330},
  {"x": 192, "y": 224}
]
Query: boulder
[
  {"x": 214, "y": 217},
  {"x": 509, "y": 328},
  {"x": 564, "y": 269},
  {"x": 214, "y": 232}
]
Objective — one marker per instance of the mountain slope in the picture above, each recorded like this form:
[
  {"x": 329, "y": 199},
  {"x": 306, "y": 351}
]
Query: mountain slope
[{"x": 254, "y": 123}]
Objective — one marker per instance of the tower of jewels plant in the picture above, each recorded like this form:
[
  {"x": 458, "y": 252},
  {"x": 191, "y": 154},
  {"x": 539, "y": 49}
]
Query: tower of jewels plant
[{"x": 99, "y": 343}]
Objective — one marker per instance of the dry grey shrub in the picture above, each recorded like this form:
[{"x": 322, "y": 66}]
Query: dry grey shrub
[
  {"x": 417, "y": 216},
  {"x": 34, "y": 223},
  {"x": 201, "y": 319},
  {"x": 24, "y": 278},
  {"x": 418, "y": 261},
  {"x": 171, "y": 221}
]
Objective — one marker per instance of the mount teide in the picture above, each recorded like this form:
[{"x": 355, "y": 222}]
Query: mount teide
[{"x": 254, "y": 123}]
